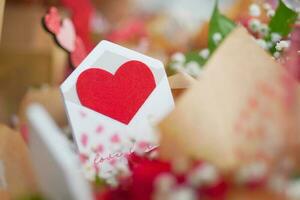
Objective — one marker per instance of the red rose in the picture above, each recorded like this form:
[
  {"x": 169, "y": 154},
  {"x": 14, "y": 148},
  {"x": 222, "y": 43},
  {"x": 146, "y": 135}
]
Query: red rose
[
  {"x": 139, "y": 186},
  {"x": 144, "y": 172}
]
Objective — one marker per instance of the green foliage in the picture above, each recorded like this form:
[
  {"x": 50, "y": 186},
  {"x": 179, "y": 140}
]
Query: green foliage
[
  {"x": 281, "y": 23},
  {"x": 283, "y": 20},
  {"x": 194, "y": 56},
  {"x": 218, "y": 24}
]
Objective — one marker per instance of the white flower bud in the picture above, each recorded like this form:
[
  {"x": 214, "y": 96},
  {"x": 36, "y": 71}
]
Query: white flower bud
[
  {"x": 276, "y": 55},
  {"x": 193, "y": 68},
  {"x": 204, "y": 53},
  {"x": 275, "y": 37},
  {"x": 178, "y": 57},
  {"x": 282, "y": 45},
  {"x": 254, "y": 10},
  {"x": 165, "y": 182},
  {"x": 262, "y": 43},
  {"x": 270, "y": 13},
  {"x": 205, "y": 174},
  {"x": 183, "y": 193},
  {"x": 254, "y": 25},
  {"x": 264, "y": 29},
  {"x": 217, "y": 37}
]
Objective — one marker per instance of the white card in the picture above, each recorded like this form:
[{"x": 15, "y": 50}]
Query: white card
[
  {"x": 58, "y": 169},
  {"x": 113, "y": 99}
]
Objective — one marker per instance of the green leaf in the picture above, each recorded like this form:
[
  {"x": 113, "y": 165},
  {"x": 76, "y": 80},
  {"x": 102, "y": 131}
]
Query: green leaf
[
  {"x": 281, "y": 23},
  {"x": 194, "y": 56},
  {"x": 218, "y": 24},
  {"x": 283, "y": 20}
]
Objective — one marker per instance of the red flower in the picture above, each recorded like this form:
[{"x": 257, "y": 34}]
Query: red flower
[
  {"x": 216, "y": 191},
  {"x": 144, "y": 173},
  {"x": 120, "y": 193},
  {"x": 140, "y": 185}
]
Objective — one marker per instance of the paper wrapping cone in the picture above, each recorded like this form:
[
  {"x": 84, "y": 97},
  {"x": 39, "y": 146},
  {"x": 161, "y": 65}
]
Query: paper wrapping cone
[
  {"x": 242, "y": 109},
  {"x": 4, "y": 195},
  {"x": 251, "y": 194},
  {"x": 50, "y": 98},
  {"x": 17, "y": 177},
  {"x": 180, "y": 82},
  {"x": 2, "y": 3}
]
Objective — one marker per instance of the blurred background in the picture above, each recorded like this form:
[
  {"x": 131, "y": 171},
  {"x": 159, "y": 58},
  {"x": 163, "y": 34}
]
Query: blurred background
[{"x": 35, "y": 58}]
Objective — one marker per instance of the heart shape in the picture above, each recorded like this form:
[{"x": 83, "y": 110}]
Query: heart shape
[
  {"x": 52, "y": 20},
  {"x": 118, "y": 96}
]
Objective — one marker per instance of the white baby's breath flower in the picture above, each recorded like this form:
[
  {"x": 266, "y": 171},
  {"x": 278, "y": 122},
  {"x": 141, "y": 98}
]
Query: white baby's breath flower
[
  {"x": 204, "y": 53},
  {"x": 276, "y": 54},
  {"x": 122, "y": 167},
  {"x": 165, "y": 182},
  {"x": 193, "y": 68},
  {"x": 89, "y": 171},
  {"x": 270, "y": 13},
  {"x": 254, "y": 25},
  {"x": 254, "y": 10},
  {"x": 178, "y": 57},
  {"x": 217, "y": 37},
  {"x": 263, "y": 29},
  {"x": 268, "y": 8},
  {"x": 177, "y": 66},
  {"x": 183, "y": 193},
  {"x": 205, "y": 174},
  {"x": 112, "y": 181},
  {"x": 275, "y": 37},
  {"x": 282, "y": 45},
  {"x": 262, "y": 43}
]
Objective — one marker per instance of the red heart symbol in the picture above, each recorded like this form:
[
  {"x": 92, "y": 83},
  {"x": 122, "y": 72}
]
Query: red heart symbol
[
  {"x": 118, "y": 96},
  {"x": 52, "y": 20}
]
